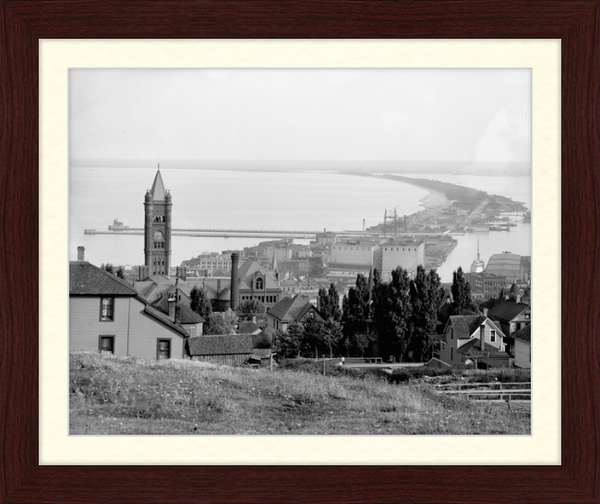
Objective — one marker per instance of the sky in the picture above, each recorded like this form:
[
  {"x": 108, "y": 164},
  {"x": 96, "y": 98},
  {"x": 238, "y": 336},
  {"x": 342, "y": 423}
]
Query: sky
[{"x": 465, "y": 115}]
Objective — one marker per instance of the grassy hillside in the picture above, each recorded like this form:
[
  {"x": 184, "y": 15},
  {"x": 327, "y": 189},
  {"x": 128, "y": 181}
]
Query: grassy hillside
[{"x": 114, "y": 395}]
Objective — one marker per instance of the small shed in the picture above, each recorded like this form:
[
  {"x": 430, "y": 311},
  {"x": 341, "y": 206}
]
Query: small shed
[
  {"x": 261, "y": 356},
  {"x": 229, "y": 349}
]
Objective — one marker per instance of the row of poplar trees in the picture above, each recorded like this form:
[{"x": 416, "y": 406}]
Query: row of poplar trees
[{"x": 399, "y": 317}]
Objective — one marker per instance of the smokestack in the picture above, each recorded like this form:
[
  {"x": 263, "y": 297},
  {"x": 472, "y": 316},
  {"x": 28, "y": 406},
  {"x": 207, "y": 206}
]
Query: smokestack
[
  {"x": 235, "y": 283},
  {"x": 81, "y": 253}
]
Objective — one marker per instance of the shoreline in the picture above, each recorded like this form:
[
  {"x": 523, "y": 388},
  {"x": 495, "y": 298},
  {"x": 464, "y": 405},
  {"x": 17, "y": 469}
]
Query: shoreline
[{"x": 434, "y": 200}]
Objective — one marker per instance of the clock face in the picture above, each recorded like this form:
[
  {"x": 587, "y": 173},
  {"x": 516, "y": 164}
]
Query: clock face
[{"x": 158, "y": 235}]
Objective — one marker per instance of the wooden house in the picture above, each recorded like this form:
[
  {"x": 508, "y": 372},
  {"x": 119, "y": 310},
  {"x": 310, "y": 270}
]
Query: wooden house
[
  {"x": 289, "y": 310},
  {"x": 229, "y": 349},
  {"x": 107, "y": 314},
  {"x": 471, "y": 340},
  {"x": 512, "y": 316},
  {"x": 523, "y": 347}
]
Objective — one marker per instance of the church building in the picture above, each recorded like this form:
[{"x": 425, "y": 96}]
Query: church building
[{"x": 157, "y": 228}]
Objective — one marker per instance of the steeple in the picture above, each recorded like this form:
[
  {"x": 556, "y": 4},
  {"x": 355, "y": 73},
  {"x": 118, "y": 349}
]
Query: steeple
[{"x": 158, "y": 192}]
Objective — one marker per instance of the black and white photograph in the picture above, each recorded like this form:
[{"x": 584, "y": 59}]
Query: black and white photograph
[{"x": 300, "y": 251}]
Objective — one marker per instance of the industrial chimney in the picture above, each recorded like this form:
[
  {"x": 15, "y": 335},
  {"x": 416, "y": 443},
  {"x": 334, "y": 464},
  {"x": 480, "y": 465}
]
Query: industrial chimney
[{"x": 235, "y": 283}]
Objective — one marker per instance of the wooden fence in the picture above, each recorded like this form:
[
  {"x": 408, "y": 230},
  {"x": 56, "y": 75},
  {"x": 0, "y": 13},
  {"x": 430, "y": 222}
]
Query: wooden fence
[{"x": 509, "y": 391}]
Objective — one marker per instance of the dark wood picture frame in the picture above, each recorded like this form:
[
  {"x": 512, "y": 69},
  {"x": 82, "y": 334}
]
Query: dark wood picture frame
[{"x": 23, "y": 23}]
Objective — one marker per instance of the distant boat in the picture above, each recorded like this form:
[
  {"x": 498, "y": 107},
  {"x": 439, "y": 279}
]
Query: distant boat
[
  {"x": 117, "y": 226},
  {"x": 478, "y": 229}
]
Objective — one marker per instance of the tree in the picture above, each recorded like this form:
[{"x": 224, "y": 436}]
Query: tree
[
  {"x": 355, "y": 311},
  {"x": 361, "y": 342},
  {"x": 426, "y": 297},
  {"x": 250, "y": 308},
  {"x": 391, "y": 312},
  {"x": 329, "y": 303},
  {"x": 313, "y": 337},
  {"x": 287, "y": 343},
  {"x": 110, "y": 268},
  {"x": 461, "y": 293},
  {"x": 215, "y": 324},
  {"x": 200, "y": 304},
  {"x": 332, "y": 334}
]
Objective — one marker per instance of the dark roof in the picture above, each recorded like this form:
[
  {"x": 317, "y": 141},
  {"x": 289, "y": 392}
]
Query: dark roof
[
  {"x": 465, "y": 325},
  {"x": 188, "y": 316},
  {"x": 249, "y": 327},
  {"x": 229, "y": 344},
  {"x": 291, "y": 309},
  {"x": 262, "y": 353},
  {"x": 87, "y": 279},
  {"x": 507, "y": 310},
  {"x": 523, "y": 334},
  {"x": 158, "y": 315},
  {"x": 472, "y": 349}
]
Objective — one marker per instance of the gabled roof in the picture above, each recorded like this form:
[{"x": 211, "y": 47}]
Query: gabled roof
[
  {"x": 261, "y": 353},
  {"x": 158, "y": 315},
  {"x": 87, "y": 279},
  {"x": 465, "y": 325},
  {"x": 472, "y": 349},
  {"x": 247, "y": 271},
  {"x": 158, "y": 188},
  {"x": 249, "y": 327},
  {"x": 229, "y": 344},
  {"x": 291, "y": 309},
  {"x": 523, "y": 334},
  {"x": 507, "y": 310},
  {"x": 188, "y": 316}
]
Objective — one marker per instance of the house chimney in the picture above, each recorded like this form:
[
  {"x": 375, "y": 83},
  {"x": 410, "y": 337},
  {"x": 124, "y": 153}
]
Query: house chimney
[
  {"x": 172, "y": 308},
  {"x": 143, "y": 273},
  {"x": 235, "y": 286},
  {"x": 181, "y": 272},
  {"x": 81, "y": 253},
  {"x": 482, "y": 337}
]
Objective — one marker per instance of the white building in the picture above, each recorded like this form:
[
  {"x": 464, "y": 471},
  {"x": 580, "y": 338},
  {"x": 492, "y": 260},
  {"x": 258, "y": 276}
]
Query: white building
[
  {"x": 355, "y": 252},
  {"x": 407, "y": 253}
]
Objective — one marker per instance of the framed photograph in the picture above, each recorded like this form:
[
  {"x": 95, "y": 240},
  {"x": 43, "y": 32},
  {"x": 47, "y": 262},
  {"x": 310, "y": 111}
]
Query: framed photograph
[{"x": 235, "y": 469}]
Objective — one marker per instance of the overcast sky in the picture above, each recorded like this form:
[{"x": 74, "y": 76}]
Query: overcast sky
[{"x": 314, "y": 114}]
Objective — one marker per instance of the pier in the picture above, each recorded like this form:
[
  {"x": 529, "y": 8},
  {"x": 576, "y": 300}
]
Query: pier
[{"x": 220, "y": 233}]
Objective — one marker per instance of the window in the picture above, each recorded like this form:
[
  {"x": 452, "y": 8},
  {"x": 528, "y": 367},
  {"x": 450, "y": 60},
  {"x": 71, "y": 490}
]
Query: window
[
  {"x": 163, "y": 350},
  {"x": 451, "y": 353},
  {"x": 493, "y": 336},
  {"x": 107, "y": 345},
  {"x": 451, "y": 333},
  {"x": 259, "y": 284},
  {"x": 107, "y": 309}
]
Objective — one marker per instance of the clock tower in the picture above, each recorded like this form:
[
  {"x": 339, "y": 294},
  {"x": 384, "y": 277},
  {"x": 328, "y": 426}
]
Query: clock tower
[{"x": 157, "y": 228}]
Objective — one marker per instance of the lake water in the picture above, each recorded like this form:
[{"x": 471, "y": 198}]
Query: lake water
[
  {"x": 518, "y": 240},
  {"x": 261, "y": 200}
]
